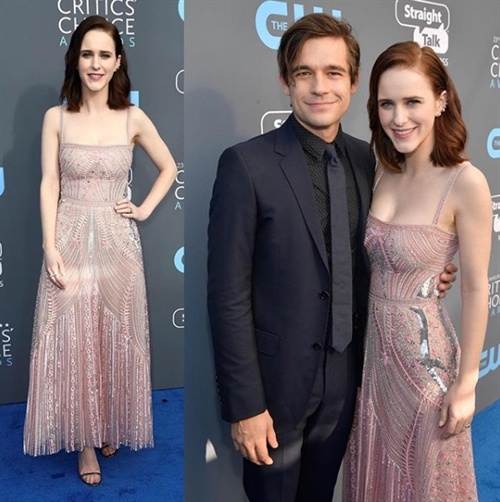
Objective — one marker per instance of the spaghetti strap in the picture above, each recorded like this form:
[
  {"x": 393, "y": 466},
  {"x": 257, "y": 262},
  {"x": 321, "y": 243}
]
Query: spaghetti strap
[
  {"x": 446, "y": 192},
  {"x": 128, "y": 126},
  {"x": 61, "y": 124},
  {"x": 377, "y": 178}
]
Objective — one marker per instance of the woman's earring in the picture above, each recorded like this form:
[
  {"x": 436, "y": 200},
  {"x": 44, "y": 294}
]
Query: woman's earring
[{"x": 442, "y": 110}]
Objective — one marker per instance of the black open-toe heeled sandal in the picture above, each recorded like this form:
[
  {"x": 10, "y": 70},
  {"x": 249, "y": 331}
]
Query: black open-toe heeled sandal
[
  {"x": 106, "y": 447},
  {"x": 84, "y": 474}
]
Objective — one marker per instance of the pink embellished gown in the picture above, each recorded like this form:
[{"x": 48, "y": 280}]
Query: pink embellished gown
[
  {"x": 90, "y": 361},
  {"x": 397, "y": 452}
]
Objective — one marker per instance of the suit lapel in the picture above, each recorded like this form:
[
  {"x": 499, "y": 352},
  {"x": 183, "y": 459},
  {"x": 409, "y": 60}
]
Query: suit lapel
[{"x": 295, "y": 169}]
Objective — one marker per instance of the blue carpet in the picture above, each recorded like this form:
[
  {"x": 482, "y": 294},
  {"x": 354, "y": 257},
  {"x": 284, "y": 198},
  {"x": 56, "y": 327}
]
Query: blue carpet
[
  {"x": 486, "y": 443},
  {"x": 154, "y": 474},
  {"x": 157, "y": 474}
]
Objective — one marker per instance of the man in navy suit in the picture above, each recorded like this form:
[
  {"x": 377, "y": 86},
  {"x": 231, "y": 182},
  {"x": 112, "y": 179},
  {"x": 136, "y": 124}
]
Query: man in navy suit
[{"x": 287, "y": 387}]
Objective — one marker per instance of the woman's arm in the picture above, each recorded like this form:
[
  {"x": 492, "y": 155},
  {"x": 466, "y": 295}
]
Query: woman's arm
[
  {"x": 473, "y": 216},
  {"x": 146, "y": 136},
  {"x": 49, "y": 194}
]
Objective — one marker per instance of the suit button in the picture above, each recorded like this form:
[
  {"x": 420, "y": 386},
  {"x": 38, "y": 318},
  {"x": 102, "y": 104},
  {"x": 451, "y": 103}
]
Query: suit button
[
  {"x": 324, "y": 295},
  {"x": 317, "y": 346}
]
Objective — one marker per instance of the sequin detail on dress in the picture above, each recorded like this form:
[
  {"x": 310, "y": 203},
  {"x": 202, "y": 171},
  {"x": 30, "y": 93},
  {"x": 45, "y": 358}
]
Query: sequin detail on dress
[
  {"x": 397, "y": 452},
  {"x": 90, "y": 361}
]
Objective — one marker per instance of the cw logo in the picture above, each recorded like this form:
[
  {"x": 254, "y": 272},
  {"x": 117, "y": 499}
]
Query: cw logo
[
  {"x": 134, "y": 98},
  {"x": 179, "y": 260},
  {"x": 490, "y": 360},
  {"x": 273, "y": 18},
  {"x": 493, "y": 143},
  {"x": 180, "y": 8}
]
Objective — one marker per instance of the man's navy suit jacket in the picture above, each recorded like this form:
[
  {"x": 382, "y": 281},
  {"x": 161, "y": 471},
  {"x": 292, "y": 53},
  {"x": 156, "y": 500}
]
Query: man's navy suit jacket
[{"x": 269, "y": 281}]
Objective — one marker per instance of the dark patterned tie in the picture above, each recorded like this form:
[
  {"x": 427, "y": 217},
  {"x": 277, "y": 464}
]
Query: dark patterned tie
[{"x": 341, "y": 310}]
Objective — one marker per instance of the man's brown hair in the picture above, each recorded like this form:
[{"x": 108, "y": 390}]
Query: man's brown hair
[{"x": 317, "y": 25}]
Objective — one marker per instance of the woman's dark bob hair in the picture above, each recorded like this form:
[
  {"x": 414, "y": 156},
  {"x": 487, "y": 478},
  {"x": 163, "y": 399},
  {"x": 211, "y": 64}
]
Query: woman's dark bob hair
[
  {"x": 119, "y": 86},
  {"x": 450, "y": 134}
]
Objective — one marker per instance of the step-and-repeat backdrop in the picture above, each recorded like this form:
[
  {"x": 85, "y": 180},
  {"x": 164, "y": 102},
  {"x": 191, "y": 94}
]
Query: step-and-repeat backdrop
[
  {"x": 34, "y": 36},
  {"x": 233, "y": 94}
]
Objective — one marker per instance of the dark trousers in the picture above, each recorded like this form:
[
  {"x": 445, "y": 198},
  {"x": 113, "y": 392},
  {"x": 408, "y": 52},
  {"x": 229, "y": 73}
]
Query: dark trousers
[{"x": 306, "y": 463}]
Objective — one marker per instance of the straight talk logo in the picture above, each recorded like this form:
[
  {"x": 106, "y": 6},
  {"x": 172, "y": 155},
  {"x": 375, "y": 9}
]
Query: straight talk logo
[
  {"x": 495, "y": 205},
  {"x": 178, "y": 318},
  {"x": 430, "y": 21},
  {"x": 273, "y": 119}
]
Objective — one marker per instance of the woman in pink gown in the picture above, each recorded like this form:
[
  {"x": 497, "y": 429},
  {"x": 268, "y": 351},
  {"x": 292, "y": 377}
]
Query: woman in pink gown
[
  {"x": 411, "y": 440},
  {"x": 90, "y": 383}
]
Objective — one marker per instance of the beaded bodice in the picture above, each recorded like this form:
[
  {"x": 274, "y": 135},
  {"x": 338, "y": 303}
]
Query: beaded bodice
[
  {"x": 406, "y": 260},
  {"x": 94, "y": 173}
]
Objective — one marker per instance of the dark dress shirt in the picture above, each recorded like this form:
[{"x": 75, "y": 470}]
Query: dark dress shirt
[{"x": 316, "y": 160}]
